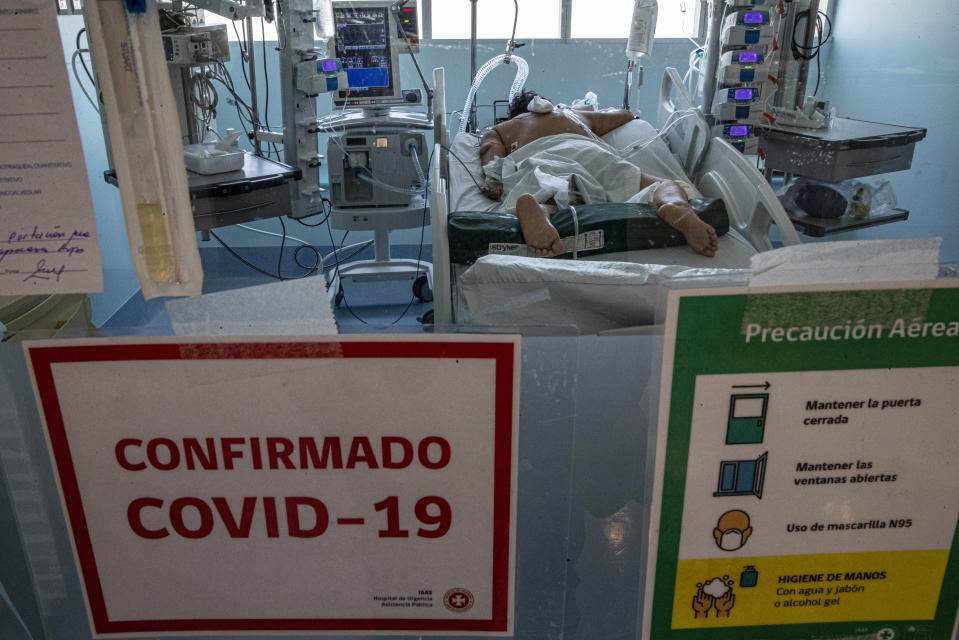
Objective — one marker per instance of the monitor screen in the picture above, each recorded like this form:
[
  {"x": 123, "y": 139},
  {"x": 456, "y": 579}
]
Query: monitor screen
[
  {"x": 363, "y": 47},
  {"x": 739, "y": 130},
  {"x": 744, "y": 94},
  {"x": 749, "y": 56},
  {"x": 753, "y": 17}
]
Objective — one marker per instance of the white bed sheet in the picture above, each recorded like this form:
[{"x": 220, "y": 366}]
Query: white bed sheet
[
  {"x": 638, "y": 139},
  {"x": 590, "y": 297}
]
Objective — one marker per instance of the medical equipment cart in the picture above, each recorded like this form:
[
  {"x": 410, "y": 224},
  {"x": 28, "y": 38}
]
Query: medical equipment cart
[{"x": 846, "y": 149}]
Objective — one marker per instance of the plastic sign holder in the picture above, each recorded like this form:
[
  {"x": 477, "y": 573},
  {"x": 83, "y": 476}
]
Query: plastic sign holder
[
  {"x": 805, "y": 479},
  {"x": 254, "y": 486}
]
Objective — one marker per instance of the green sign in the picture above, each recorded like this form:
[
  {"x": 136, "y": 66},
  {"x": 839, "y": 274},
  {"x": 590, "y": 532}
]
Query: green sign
[{"x": 805, "y": 469}]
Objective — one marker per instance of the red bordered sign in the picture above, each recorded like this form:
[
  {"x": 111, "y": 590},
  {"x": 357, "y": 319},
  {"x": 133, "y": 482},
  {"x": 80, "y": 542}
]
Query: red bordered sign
[{"x": 322, "y": 486}]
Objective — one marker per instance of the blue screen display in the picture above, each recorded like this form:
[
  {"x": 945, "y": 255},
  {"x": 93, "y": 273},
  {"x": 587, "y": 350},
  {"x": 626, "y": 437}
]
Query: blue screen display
[
  {"x": 753, "y": 17},
  {"x": 744, "y": 94},
  {"x": 368, "y": 77},
  {"x": 749, "y": 56},
  {"x": 739, "y": 130}
]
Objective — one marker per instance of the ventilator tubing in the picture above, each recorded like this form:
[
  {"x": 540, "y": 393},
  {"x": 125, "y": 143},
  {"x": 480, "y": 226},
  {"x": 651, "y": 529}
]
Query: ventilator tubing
[
  {"x": 522, "y": 71},
  {"x": 417, "y": 166}
]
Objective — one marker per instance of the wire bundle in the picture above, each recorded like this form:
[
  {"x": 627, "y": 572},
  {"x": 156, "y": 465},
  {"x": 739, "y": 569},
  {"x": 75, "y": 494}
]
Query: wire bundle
[{"x": 802, "y": 52}]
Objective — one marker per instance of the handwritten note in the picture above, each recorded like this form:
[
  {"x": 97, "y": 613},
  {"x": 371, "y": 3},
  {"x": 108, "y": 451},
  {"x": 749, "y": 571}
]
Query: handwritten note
[{"x": 48, "y": 238}]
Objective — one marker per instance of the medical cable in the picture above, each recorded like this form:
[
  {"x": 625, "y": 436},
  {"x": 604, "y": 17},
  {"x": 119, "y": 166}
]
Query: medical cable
[
  {"x": 266, "y": 83},
  {"x": 244, "y": 52},
  {"x": 78, "y": 53},
  {"x": 330, "y": 129},
  {"x": 582, "y": 125},
  {"x": 76, "y": 74},
  {"x": 399, "y": 27},
  {"x": 204, "y": 97},
  {"x": 465, "y": 166},
  {"x": 802, "y": 52},
  {"x": 512, "y": 38},
  {"x": 82, "y": 61},
  {"x": 671, "y": 123},
  {"x": 219, "y": 73},
  {"x": 278, "y": 275},
  {"x": 327, "y": 209}
]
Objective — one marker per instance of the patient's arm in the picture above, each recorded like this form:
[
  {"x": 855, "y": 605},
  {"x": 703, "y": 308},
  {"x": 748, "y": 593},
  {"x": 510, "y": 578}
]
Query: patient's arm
[
  {"x": 602, "y": 122},
  {"x": 492, "y": 145}
]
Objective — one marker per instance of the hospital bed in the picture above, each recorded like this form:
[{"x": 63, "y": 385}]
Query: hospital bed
[{"x": 611, "y": 291}]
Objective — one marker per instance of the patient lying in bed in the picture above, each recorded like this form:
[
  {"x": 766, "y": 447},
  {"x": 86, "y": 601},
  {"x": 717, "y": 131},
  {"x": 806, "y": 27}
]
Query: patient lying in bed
[{"x": 590, "y": 172}]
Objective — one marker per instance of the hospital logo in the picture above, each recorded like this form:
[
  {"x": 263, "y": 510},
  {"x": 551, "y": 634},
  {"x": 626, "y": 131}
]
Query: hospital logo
[{"x": 458, "y": 600}]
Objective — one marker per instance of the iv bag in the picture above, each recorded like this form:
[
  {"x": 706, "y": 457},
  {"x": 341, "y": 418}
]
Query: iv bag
[
  {"x": 323, "y": 12},
  {"x": 641, "y": 29}
]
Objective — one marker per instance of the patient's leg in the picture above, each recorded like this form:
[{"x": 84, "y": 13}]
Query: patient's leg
[
  {"x": 699, "y": 235},
  {"x": 541, "y": 236}
]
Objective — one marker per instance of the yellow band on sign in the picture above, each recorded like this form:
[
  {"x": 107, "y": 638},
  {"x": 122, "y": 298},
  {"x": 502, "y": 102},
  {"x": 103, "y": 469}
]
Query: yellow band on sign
[{"x": 837, "y": 587}]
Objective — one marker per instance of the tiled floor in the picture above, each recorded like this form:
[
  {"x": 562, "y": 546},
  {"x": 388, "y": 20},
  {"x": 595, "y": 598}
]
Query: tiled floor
[{"x": 365, "y": 307}]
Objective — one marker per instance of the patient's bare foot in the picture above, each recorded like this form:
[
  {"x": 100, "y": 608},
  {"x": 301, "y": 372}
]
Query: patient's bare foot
[
  {"x": 541, "y": 236},
  {"x": 700, "y": 236}
]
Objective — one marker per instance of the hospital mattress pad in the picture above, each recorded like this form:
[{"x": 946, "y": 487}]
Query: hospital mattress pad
[{"x": 596, "y": 229}]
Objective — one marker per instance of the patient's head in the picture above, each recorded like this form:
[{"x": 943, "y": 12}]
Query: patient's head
[{"x": 520, "y": 103}]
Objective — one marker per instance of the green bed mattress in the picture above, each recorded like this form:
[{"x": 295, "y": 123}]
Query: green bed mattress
[{"x": 603, "y": 228}]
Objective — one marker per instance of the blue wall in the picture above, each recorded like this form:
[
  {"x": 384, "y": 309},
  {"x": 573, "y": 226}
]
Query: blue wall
[{"x": 898, "y": 63}]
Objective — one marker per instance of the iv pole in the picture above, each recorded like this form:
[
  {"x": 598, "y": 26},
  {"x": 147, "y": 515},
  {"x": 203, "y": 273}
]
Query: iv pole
[{"x": 472, "y": 120}]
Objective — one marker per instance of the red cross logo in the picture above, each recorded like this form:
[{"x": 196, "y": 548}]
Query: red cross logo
[{"x": 458, "y": 600}]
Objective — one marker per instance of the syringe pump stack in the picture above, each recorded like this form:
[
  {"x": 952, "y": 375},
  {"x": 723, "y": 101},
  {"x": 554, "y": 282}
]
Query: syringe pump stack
[{"x": 747, "y": 42}]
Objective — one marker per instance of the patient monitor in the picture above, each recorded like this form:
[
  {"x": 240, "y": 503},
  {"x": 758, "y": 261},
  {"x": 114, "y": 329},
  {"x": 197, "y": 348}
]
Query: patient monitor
[
  {"x": 377, "y": 152},
  {"x": 376, "y": 155},
  {"x": 369, "y": 36}
]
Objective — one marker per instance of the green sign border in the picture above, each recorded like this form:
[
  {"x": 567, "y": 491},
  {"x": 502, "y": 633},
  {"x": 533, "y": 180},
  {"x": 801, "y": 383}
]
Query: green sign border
[{"x": 711, "y": 340}]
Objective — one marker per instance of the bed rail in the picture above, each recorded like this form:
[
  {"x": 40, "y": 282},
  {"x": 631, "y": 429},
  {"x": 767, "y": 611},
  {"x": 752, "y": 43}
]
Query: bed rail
[
  {"x": 442, "y": 286},
  {"x": 686, "y": 130},
  {"x": 750, "y": 201},
  {"x": 439, "y": 207}
]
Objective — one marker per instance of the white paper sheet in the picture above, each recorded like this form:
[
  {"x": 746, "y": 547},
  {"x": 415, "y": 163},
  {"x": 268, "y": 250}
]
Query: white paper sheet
[
  {"x": 48, "y": 235},
  {"x": 848, "y": 261}
]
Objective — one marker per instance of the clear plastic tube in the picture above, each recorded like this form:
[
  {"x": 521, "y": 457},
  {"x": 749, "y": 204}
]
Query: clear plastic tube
[
  {"x": 416, "y": 164},
  {"x": 388, "y": 187},
  {"x": 522, "y": 71},
  {"x": 569, "y": 113}
]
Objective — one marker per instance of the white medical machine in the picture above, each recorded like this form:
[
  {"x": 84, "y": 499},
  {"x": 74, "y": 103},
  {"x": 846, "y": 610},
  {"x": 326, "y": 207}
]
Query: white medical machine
[
  {"x": 377, "y": 148},
  {"x": 741, "y": 86},
  {"x": 742, "y": 104},
  {"x": 749, "y": 29},
  {"x": 742, "y": 67},
  {"x": 740, "y": 136}
]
